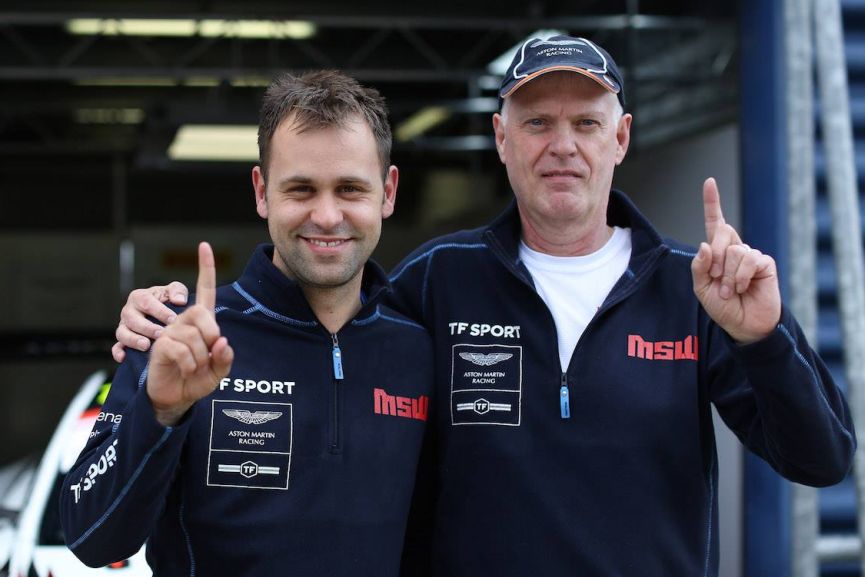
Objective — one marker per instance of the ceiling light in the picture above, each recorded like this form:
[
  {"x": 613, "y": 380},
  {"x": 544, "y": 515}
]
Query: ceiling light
[
  {"x": 250, "y": 81},
  {"x": 127, "y": 81},
  {"x": 420, "y": 122},
  {"x": 131, "y": 27},
  {"x": 261, "y": 29},
  {"x": 253, "y": 29},
  {"x": 201, "y": 81},
  {"x": 215, "y": 142},
  {"x": 109, "y": 115}
]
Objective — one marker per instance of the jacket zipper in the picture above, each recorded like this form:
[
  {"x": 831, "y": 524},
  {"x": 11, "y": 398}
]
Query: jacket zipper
[
  {"x": 565, "y": 398},
  {"x": 336, "y": 356},
  {"x": 564, "y": 390}
]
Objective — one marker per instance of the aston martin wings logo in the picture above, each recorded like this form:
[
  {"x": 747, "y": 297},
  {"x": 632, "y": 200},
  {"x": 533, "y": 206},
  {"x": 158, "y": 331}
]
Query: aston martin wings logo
[
  {"x": 250, "y": 418},
  {"x": 486, "y": 360}
]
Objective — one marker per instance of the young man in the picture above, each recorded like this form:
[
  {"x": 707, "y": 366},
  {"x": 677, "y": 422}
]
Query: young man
[
  {"x": 578, "y": 354},
  {"x": 277, "y": 424}
]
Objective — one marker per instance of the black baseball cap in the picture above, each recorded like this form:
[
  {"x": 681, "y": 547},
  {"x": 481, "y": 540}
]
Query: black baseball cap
[{"x": 537, "y": 56}]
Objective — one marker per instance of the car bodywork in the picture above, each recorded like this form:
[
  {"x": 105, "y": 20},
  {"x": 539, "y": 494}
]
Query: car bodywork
[{"x": 38, "y": 548}]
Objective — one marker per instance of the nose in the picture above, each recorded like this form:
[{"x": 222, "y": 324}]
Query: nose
[
  {"x": 563, "y": 141},
  {"x": 326, "y": 213}
]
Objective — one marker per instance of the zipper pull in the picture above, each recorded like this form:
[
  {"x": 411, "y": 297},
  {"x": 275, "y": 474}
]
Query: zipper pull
[
  {"x": 564, "y": 398},
  {"x": 337, "y": 359}
]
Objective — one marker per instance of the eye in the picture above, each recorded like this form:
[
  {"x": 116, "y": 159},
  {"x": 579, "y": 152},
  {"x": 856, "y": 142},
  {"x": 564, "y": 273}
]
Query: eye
[
  {"x": 588, "y": 122},
  {"x": 351, "y": 189},
  {"x": 298, "y": 190},
  {"x": 536, "y": 122}
]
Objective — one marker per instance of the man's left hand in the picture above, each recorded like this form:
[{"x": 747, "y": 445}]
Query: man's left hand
[{"x": 736, "y": 284}]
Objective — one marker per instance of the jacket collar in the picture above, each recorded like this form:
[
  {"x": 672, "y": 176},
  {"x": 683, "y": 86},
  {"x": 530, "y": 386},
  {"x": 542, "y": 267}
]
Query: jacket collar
[
  {"x": 269, "y": 286},
  {"x": 645, "y": 240}
]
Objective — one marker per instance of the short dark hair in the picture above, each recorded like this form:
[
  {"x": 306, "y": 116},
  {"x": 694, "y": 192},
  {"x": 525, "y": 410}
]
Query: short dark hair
[{"x": 318, "y": 100}]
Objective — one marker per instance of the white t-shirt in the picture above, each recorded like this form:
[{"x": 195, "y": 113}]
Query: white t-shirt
[{"x": 575, "y": 287}]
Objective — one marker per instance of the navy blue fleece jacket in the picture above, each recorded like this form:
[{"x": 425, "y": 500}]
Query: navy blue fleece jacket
[
  {"x": 301, "y": 462},
  {"x": 610, "y": 468}
]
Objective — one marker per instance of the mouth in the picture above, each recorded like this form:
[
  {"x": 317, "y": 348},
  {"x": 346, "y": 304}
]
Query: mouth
[
  {"x": 561, "y": 174},
  {"x": 325, "y": 243}
]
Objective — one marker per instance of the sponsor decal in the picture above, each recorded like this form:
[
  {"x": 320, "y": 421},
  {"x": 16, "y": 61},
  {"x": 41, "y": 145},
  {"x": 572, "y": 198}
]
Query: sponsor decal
[
  {"x": 250, "y": 444},
  {"x": 483, "y": 406},
  {"x": 486, "y": 384},
  {"x": 241, "y": 385},
  {"x": 483, "y": 329},
  {"x": 385, "y": 404},
  {"x": 95, "y": 470},
  {"x": 109, "y": 417},
  {"x": 684, "y": 350}
]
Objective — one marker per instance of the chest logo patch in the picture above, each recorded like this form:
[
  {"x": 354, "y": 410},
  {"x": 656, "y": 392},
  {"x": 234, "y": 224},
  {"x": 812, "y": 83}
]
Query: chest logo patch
[
  {"x": 486, "y": 384},
  {"x": 250, "y": 445}
]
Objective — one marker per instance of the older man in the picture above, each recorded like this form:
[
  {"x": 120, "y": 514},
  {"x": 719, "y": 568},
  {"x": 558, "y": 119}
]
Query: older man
[{"x": 579, "y": 354}]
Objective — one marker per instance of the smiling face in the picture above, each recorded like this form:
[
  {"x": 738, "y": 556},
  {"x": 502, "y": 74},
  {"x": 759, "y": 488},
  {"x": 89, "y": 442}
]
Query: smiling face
[
  {"x": 560, "y": 137},
  {"x": 324, "y": 201}
]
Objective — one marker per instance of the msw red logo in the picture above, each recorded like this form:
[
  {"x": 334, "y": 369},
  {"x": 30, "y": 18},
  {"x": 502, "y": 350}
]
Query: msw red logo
[
  {"x": 401, "y": 406},
  {"x": 684, "y": 350}
]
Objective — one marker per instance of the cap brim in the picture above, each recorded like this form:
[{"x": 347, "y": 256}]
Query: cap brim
[{"x": 597, "y": 78}]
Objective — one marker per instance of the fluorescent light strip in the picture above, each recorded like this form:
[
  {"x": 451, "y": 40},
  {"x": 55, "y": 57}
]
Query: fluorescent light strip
[
  {"x": 126, "y": 81},
  {"x": 420, "y": 122},
  {"x": 261, "y": 29},
  {"x": 250, "y": 29},
  {"x": 209, "y": 142},
  {"x": 131, "y": 27},
  {"x": 158, "y": 81},
  {"x": 109, "y": 115}
]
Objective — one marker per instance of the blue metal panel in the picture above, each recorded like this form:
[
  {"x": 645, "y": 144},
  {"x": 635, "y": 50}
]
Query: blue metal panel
[{"x": 767, "y": 533}]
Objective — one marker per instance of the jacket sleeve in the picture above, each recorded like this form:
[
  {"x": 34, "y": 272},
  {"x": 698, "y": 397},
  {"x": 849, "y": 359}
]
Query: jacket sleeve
[
  {"x": 115, "y": 492},
  {"x": 780, "y": 400}
]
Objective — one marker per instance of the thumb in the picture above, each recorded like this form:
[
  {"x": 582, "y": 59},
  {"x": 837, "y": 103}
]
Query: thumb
[
  {"x": 177, "y": 293},
  {"x": 700, "y": 268}
]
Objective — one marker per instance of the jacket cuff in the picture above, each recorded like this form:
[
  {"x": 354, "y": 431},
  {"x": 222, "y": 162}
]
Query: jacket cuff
[{"x": 775, "y": 344}]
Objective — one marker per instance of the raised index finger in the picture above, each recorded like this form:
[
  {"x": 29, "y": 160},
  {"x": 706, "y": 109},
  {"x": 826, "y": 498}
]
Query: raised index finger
[
  {"x": 712, "y": 208},
  {"x": 205, "y": 288}
]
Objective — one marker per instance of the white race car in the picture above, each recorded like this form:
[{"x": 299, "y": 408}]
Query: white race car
[
  {"x": 16, "y": 480},
  {"x": 38, "y": 549}
]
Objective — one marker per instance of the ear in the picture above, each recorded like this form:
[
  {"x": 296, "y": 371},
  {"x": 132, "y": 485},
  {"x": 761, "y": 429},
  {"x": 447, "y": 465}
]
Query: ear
[
  {"x": 390, "y": 185},
  {"x": 499, "y": 130},
  {"x": 623, "y": 137},
  {"x": 260, "y": 188}
]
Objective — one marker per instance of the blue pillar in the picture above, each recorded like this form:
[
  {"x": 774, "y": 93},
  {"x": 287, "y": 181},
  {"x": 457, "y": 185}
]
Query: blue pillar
[{"x": 767, "y": 495}]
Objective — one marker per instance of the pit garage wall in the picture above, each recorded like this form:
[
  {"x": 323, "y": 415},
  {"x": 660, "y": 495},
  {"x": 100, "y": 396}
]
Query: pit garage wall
[{"x": 666, "y": 183}]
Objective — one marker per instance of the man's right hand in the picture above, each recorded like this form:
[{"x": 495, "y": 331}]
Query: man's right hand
[
  {"x": 190, "y": 357},
  {"x": 134, "y": 329}
]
